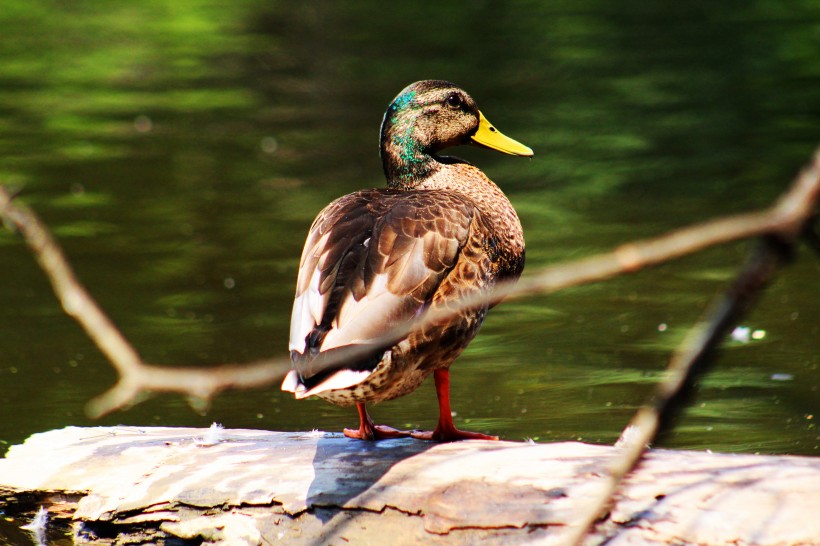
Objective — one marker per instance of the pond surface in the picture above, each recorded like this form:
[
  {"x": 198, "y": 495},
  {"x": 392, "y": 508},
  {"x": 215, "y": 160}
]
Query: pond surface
[{"x": 180, "y": 150}]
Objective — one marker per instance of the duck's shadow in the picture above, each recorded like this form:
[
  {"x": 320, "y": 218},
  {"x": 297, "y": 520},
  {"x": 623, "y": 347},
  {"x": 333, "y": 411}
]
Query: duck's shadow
[{"x": 347, "y": 469}]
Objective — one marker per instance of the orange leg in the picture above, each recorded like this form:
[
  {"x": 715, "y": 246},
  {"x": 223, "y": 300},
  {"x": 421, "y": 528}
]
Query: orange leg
[
  {"x": 370, "y": 431},
  {"x": 446, "y": 431}
]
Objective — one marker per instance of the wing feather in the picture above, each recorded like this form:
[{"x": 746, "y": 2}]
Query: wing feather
[{"x": 371, "y": 260}]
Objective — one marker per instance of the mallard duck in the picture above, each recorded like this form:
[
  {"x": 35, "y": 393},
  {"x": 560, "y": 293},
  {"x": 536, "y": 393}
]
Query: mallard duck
[{"x": 378, "y": 257}]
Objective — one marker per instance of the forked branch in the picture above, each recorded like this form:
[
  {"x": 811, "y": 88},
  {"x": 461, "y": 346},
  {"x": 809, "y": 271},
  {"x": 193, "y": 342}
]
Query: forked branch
[{"x": 786, "y": 219}]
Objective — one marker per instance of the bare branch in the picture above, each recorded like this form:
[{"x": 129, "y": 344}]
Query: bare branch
[
  {"x": 786, "y": 219},
  {"x": 690, "y": 361},
  {"x": 136, "y": 376},
  {"x": 790, "y": 217},
  {"x": 197, "y": 382},
  {"x": 75, "y": 300}
]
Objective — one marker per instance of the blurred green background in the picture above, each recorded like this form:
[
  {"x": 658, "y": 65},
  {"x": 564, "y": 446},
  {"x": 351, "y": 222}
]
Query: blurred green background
[{"x": 180, "y": 150}]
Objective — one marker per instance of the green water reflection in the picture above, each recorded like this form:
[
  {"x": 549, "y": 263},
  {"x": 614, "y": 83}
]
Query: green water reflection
[{"x": 181, "y": 149}]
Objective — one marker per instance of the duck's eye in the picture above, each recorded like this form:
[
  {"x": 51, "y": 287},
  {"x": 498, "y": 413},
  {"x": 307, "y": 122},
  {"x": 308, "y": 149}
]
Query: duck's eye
[{"x": 453, "y": 101}]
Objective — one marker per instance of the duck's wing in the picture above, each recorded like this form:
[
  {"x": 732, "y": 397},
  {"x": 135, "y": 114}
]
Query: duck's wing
[{"x": 372, "y": 260}]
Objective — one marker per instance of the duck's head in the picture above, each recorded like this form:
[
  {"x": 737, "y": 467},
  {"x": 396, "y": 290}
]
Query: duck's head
[{"x": 429, "y": 116}]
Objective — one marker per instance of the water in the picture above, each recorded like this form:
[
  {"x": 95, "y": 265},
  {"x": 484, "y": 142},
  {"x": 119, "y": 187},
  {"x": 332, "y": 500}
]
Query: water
[{"x": 180, "y": 151}]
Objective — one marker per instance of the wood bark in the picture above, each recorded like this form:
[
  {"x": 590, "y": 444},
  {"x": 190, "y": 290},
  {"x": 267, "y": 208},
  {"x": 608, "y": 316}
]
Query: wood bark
[{"x": 131, "y": 484}]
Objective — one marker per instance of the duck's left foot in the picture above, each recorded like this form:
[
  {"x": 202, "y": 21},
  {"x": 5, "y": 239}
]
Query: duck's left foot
[
  {"x": 375, "y": 432},
  {"x": 451, "y": 435},
  {"x": 370, "y": 431}
]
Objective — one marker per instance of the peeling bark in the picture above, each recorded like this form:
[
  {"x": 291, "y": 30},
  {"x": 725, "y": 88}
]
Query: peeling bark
[{"x": 128, "y": 484}]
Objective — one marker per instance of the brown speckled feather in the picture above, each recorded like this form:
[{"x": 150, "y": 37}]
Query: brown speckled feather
[{"x": 380, "y": 256}]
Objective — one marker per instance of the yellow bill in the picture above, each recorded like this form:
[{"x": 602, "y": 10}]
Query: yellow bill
[{"x": 490, "y": 137}]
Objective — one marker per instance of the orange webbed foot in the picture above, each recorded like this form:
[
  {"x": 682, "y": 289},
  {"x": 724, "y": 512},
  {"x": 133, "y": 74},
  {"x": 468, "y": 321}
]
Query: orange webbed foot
[
  {"x": 369, "y": 431},
  {"x": 452, "y": 435},
  {"x": 375, "y": 432}
]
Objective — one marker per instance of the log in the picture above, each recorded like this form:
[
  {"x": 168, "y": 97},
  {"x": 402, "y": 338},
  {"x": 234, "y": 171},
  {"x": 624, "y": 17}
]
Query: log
[{"x": 132, "y": 484}]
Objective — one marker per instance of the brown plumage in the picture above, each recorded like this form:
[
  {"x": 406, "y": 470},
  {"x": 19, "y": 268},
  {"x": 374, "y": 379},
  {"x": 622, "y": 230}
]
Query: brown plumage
[{"x": 376, "y": 258}]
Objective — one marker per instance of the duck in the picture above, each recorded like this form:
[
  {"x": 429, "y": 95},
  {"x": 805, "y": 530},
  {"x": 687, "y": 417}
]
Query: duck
[{"x": 379, "y": 258}]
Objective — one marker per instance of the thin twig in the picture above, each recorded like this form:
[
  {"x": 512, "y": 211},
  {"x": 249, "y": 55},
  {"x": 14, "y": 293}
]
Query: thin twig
[
  {"x": 689, "y": 362},
  {"x": 136, "y": 376},
  {"x": 692, "y": 358},
  {"x": 198, "y": 383},
  {"x": 76, "y": 301}
]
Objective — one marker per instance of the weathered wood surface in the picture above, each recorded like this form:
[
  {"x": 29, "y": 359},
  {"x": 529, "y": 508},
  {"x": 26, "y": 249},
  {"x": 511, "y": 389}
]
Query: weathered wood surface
[{"x": 258, "y": 487}]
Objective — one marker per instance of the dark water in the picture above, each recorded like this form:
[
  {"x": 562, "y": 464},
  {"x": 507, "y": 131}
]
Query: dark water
[{"x": 180, "y": 151}]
